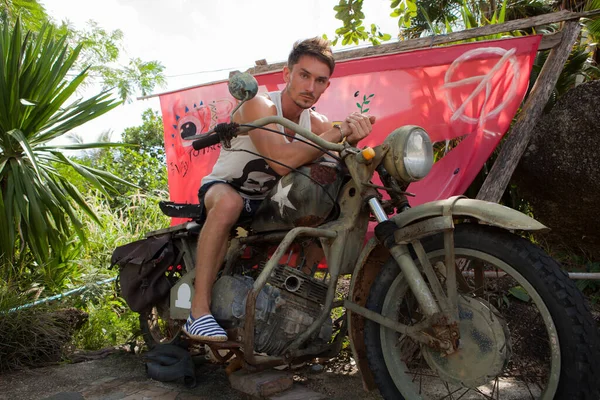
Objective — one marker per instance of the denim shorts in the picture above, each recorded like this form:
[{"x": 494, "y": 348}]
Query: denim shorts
[{"x": 249, "y": 209}]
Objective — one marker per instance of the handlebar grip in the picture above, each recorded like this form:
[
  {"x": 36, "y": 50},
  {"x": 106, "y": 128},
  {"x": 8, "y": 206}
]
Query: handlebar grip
[{"x": 207, "y": 141}]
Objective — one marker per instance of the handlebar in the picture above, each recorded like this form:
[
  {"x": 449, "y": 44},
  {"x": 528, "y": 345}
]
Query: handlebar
[
  {"x": 210, "y": 138},
  {"x": 205, "y": 141}
]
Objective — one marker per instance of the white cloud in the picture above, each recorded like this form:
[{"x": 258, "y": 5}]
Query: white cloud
[{"x": 191, "y": 36}]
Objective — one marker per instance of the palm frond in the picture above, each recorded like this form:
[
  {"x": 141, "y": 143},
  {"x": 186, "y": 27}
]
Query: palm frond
[{"x": 37, "y": 104}]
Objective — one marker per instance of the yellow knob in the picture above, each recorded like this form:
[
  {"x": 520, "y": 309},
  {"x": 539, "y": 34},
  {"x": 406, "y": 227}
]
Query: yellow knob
[{"x": 368, "y": 153}]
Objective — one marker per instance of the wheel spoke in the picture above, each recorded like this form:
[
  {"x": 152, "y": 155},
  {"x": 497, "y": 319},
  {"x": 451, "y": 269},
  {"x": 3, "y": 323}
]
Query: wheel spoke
[
  {"x": 483, "y": 394},
  {"x": 465, "y": 392},
  {"x": 449, "y": 393}
]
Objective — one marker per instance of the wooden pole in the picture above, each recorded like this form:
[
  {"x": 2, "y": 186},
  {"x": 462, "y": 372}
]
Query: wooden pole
[
  {"x": 420, "y": 43},
  {"x": 515, "y": 145}
]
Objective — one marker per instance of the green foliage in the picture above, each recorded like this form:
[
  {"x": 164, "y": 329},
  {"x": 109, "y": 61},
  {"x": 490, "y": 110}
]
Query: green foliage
[
  {"x": 577, "y": 66},
  {"x": 141, "y": 214},
  {"x": 32, "y": 13},
  {"x": 592, "y": 26},
  {"x": 405, "y": 11},
  {"x": 101, "y": 50},
  {"x": 149, "y": 136},
  {"x": 520, "y": 293},
  {"x": 37, "y": 204},
  {"x": 432, "y": 17},
  {"x": 110, "y": 320},
  {"x": 138, "y": 75},
  {"x": 353, "y": 31},
  {"x": 110, "y": 323}
]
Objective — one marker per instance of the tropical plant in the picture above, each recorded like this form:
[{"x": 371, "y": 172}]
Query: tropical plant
[
  {"x": 425, "y": 17},
  {"x": 577, "y": 66},
  {"x": 37, "y": 203},
  {"x": 101, "y": 50}
]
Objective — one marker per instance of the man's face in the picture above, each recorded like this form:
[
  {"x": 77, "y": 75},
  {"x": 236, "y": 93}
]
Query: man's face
[{"x": 306, "y": 81}]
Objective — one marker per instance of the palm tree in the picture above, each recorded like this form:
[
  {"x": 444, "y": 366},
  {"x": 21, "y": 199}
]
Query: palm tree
[{"x": 37, "y": 204}]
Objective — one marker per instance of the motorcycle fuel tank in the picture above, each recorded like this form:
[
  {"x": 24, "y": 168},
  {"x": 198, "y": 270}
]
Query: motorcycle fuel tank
[{"x": 305, "y": 197}]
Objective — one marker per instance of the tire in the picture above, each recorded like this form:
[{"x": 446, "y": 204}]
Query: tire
[
  {"x": 157, "y": 328},
  {"x": 561, "y": 309}
]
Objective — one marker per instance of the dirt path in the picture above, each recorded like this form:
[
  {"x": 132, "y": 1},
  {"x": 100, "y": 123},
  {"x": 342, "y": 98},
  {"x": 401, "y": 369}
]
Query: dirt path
[{"x": 123, "y": 376}]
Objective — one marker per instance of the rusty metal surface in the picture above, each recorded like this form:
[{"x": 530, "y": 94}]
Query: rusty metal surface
[
  {"x": 323, "y": 174},
  {"x": 367, "y": 268},
  {"x": 484, "y": 347},
  {"x": 421, "y": 229},
  {"x": 434, "y": 282},
  {"x": 415, "y": 280},
  {"x": 417, "y": 332},
  {"x": 260, "y": 282}
]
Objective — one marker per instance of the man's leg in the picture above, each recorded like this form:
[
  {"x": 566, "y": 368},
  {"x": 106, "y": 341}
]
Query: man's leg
[{"x": 223, "y": 207}]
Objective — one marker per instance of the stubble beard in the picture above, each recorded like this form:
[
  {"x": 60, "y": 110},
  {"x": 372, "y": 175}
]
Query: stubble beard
[{"x": 298, "y": 102}]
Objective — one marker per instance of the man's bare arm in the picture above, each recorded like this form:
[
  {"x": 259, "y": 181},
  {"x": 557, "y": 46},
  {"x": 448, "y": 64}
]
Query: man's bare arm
[{"x": 273, "y": 145}]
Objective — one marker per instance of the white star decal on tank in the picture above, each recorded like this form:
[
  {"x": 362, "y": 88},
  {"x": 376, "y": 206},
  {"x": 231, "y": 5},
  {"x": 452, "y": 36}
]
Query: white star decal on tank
[{"x": 281, "y": 197}]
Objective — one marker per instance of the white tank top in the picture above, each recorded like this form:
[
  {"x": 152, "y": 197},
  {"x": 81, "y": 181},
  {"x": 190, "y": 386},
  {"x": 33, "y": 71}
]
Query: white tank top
[{"x": 249, "y": 174}]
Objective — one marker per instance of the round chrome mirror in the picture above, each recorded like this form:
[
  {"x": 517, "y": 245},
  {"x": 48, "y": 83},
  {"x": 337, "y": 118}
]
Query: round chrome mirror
[{"x": 243, "y": 86}]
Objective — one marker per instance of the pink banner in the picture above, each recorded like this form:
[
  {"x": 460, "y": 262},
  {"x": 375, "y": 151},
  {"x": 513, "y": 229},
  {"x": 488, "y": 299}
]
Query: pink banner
[{"x": 469, "y": 92}]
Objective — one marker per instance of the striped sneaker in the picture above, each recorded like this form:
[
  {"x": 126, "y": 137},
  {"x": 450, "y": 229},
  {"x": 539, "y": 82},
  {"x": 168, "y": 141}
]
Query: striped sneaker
[{"x": 205, "y": 329}]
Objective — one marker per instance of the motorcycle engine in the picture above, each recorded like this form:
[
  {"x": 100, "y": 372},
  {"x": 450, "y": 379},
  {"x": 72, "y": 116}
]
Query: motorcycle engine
[{"x": 285, "y": 307}]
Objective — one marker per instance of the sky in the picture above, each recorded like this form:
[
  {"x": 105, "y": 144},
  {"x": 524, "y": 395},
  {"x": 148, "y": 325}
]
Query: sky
[{"x": 191, "y": 37}]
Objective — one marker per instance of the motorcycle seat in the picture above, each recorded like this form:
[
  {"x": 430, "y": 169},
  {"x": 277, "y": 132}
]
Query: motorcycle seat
[
  {"x": 180, "y": 210},
  {"x": 193, "y": 212}
]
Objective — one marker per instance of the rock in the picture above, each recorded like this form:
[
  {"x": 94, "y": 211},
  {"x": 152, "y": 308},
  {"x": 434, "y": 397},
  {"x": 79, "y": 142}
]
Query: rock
[
  {"x": 559, "y": 173},
  {"x": 316, "y": 368}
]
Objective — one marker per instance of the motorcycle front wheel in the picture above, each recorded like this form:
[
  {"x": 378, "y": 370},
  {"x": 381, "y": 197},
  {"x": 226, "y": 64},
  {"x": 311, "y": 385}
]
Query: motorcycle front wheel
[{"x": 520, "y": 317}]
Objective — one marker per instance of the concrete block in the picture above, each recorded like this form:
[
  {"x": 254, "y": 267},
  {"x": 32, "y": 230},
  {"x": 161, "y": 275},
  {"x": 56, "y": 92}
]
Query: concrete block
[{"x": 260, "y": 384}]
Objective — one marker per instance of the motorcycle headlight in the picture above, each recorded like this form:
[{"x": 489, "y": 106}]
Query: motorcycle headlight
[{"x": 411, "y": 154}]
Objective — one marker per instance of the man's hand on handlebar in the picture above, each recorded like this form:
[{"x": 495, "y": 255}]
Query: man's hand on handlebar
[{"x": 358, "y": 126}]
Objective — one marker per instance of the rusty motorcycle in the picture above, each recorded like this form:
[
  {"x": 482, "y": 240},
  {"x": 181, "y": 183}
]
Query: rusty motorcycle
[{"x": 446, "y": 299}]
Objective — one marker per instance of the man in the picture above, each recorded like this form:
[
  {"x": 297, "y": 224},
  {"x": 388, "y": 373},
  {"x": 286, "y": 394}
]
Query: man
[{"x": 239, "y": 181}]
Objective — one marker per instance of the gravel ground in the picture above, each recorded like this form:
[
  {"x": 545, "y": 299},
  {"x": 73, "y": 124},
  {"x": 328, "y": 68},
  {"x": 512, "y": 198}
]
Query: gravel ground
[{"x": 122, "y": 376}]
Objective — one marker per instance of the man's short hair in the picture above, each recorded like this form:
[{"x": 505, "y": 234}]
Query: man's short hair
[{"x": 315, "y": 47}]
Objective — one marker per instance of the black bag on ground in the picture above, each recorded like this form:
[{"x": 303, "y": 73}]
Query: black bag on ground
[
  {"x": 142, "y": 270},
  {"x": 168, "y": 363}
]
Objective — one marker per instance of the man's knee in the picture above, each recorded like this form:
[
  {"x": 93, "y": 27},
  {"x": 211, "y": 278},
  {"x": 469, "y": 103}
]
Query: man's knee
[{"x": 223, "y": 202}]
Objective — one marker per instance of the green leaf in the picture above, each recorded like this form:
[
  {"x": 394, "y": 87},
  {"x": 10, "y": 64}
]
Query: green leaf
[
  {"x": 519, "y": 293},
  {"x": 83, "y": 146},
  {"x": 385, "y": 37},
  {"x": 412, "y": 6},
  {"x": 364, "y": 111},
  {"x": 358, "y": 105},
  {"x": 18, "y": 135}
]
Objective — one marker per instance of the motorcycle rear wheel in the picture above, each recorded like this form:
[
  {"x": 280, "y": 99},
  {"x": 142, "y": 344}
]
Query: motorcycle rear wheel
[
  {"x": 522, "y": 286},
  {"x": 158, "y": 328}
]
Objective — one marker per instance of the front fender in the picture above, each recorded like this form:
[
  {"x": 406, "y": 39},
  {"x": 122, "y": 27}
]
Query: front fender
[
  {"x": 486, "y": 212},
  {"x": 374, "y": 254}
]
